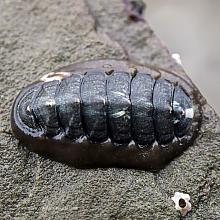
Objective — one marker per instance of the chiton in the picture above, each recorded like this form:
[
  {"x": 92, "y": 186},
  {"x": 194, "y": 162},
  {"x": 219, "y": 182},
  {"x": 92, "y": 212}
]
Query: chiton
[{"x": 108, "y": 113}]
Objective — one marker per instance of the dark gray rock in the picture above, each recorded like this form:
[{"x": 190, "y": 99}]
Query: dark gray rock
[{"x": 38, "y": 36}]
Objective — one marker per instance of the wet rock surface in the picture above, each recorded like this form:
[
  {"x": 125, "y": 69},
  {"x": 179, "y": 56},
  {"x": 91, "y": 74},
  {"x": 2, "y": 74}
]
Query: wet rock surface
[{"x": 37, "y": 37}]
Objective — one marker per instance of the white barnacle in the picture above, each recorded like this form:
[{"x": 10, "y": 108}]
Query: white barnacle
[
  {"x": 54, "y": 76},
  {"x": 182, "y": 202},
  {"x": 177, "y": 58}
]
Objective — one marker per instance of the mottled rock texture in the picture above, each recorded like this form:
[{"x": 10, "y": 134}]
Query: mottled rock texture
[{"x": 38, "y": 36}]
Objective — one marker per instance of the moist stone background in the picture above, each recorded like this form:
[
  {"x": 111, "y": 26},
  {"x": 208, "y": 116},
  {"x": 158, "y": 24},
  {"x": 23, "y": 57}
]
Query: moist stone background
[{"x": 38, "y": 36}]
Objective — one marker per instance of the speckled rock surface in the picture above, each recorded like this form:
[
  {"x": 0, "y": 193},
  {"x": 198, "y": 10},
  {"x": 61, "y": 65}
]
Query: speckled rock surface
[{"x": 38, "y": 36}]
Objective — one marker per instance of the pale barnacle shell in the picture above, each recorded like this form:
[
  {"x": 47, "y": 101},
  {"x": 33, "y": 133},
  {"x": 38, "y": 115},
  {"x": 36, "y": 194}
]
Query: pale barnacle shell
[
  {"x": 177, "y": 58},
  {"x": 54, "y": 76},
  {"x": 182, "y": 202}
]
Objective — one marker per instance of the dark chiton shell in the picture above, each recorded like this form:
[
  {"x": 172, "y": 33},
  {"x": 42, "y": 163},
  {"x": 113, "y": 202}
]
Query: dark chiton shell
[{"x": 108, "y": 113}]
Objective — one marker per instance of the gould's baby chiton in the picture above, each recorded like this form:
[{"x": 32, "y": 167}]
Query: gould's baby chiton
[{"x": 108, "y": 113}]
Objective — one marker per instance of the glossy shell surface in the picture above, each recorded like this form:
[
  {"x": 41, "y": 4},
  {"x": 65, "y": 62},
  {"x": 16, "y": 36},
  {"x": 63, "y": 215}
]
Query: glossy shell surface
[{"x": 108, "y": 113}]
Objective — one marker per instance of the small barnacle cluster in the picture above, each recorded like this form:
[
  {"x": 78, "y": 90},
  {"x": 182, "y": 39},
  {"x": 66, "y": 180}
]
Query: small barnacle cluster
[{"x": 182, "y": 202}]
